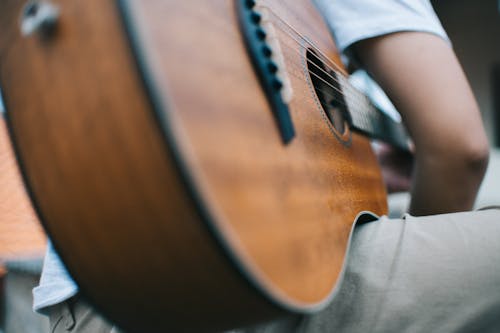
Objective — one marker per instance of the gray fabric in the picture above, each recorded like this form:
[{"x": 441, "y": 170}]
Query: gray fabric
[
  {"x": 76, "y": 316},
  {"x": 426, "y": 274},
  {"x": 30, "y": 266},
  {"x": 56, "y": 285}
]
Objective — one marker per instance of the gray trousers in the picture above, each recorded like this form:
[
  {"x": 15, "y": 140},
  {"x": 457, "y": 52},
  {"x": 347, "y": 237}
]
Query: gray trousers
[
  {"x": 75, "y": 315},
  {"x": 427, "y": 274}
]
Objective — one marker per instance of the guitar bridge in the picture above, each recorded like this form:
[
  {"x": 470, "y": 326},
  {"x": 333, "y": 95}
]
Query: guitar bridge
[{"x": 267, "y": 58}]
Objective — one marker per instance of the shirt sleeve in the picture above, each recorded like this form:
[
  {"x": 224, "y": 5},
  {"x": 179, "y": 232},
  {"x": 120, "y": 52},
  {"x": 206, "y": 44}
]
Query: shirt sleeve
[
  {"x": 56, "y": 285},
  {"x": 353, "y": 20}
]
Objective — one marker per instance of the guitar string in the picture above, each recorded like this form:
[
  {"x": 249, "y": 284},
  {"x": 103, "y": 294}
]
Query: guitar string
[
  {"x": 353, "y": 97},
  {"x": 356, "y": 102},
  {"x": 309, "y": 42},
  {"x": 345, "y": 84},
  {"x": 330, "y": 77},
  {"x": 365, "y": 120},
  {"x": 306, "y": 40},
  {"x": 339, "y": 70},
  {"x": 364, "y": 124},
  {"x": 366, "y": 117},
  {"x": 353, "y": 100}
]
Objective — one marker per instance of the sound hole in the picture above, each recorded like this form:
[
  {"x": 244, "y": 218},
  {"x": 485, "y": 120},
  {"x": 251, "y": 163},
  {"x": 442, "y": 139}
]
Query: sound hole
[{"x": 328, "y": 90}]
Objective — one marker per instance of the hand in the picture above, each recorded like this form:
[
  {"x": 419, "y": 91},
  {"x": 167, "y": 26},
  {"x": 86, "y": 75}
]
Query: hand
[{"x": 397, "y": 166}]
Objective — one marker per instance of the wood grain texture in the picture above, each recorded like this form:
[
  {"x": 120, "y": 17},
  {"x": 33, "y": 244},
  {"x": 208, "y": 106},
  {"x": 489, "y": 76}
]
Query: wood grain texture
[
  {"x": 291, "y": 207},
  {"x": 275, "y": 219}
]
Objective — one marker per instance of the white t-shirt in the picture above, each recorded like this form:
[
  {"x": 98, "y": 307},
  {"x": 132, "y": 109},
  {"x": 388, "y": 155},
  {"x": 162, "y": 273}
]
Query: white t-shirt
[
  {"x": 356, "y": 20},
  {"x": 353, "y": 20},
  {"x": 350, "y": 21}
]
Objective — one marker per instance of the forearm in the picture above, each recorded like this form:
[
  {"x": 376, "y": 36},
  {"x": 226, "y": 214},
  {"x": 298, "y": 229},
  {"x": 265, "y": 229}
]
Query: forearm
[{"x": 423, "y": 78}]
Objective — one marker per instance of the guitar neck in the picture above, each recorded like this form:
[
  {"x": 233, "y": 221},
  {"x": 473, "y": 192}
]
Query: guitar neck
[{"x": 367, "y": 119}]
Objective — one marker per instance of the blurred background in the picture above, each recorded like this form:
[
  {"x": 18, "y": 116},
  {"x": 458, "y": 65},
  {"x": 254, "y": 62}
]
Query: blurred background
[{"x": 474, "y": 28}]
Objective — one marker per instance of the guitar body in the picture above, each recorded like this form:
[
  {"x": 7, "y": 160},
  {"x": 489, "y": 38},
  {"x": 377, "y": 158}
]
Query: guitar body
[{"x": 155, "y": 163}]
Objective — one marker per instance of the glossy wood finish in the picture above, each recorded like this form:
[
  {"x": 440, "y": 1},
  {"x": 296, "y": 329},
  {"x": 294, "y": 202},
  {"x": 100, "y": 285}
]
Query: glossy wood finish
[
  {"x": 291, "y": 206},
  {"x": 261, "y": 226}
]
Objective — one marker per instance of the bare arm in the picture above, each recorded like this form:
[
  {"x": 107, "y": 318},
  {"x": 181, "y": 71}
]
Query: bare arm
[{"x": 423, "y": 78}]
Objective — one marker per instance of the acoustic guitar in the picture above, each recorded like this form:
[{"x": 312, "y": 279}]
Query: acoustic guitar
[{"x": 199, "y": 165}]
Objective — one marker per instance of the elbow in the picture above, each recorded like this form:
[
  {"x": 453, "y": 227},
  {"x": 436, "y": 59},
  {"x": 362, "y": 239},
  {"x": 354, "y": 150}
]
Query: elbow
[
  {"x": 468, "y": 158},
  {"x": 463, "y": 159},
  {"x": 475, "y": 159}
]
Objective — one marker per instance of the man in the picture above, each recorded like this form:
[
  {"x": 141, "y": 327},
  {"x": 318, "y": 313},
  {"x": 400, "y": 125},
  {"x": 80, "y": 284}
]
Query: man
[{"x": 398, "y": 270}]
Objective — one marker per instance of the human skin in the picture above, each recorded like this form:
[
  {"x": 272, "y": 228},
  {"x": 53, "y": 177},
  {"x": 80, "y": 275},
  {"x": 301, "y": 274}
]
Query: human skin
[{"x": 422, "y": 76}]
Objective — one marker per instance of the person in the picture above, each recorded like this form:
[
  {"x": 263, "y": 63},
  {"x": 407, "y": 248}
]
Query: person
[{"x": 415, "y": 274}]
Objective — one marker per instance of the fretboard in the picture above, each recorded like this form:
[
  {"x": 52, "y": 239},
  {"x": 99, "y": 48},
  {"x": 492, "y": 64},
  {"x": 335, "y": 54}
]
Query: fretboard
[{"x": 367, "y": 119}]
